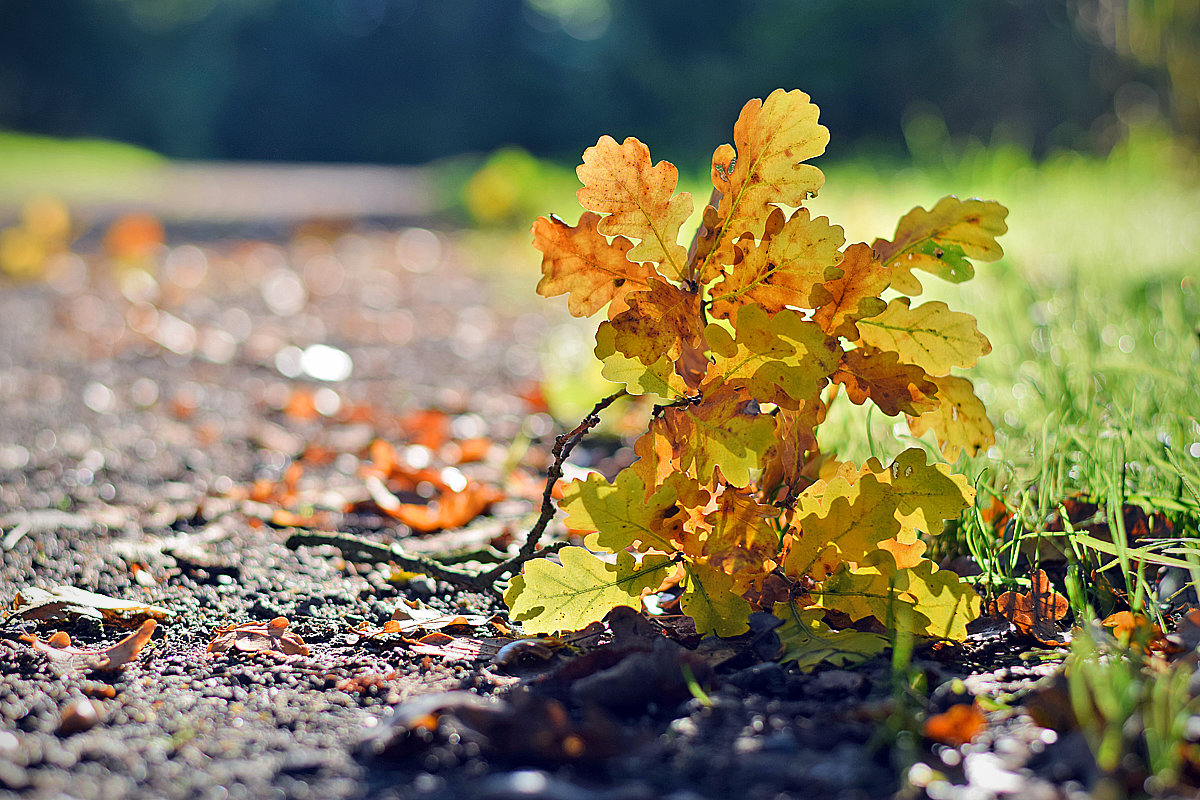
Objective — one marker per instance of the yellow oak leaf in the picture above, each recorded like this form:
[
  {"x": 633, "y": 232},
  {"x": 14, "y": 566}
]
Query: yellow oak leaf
[
  {"x": 581, "y": 263},
  {"x": 782, "y": 269},
  {"x": 771, "y": 140},
  {"x": 926, "y": 494},
  {"x": 894, "y": 387},
  {"x": 842, "y": 301},
  {"x": 960, "y": 420},
  {"x": 639, "y": 199},
  {"x": 809, "y": 642},
  {"x": 548, "y": 597},
  {"x": 742, "y": 540},
  {"x": 945, "y": 604},
  {"x": 658, "y": 322},
  {"x": 930, "y": 336},
  {"x": 655, "y": 457},
  {"x": 621, "y": 513},
  {"x": 659, "y": 378},
  {"x": 780, "y": 358},
  {"x": 710, "y": 599},
  {"x": 839, "y": 521},
  {"x": 942, "y": 241},
  {"x": 723, "y": 430},
  {"x": 922, "y": 599}
]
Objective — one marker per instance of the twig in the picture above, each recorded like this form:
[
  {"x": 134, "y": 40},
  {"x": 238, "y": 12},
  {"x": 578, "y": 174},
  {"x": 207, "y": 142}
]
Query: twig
[
  {"x": 563, "y": 445},
  {"x": 356, "y": 548}
]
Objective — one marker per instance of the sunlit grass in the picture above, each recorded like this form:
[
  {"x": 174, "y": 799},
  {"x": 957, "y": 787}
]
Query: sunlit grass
[{"x": 74, "y": 169}]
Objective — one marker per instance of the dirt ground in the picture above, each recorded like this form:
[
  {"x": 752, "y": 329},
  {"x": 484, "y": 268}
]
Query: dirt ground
[{"x": 168, "y": 426}]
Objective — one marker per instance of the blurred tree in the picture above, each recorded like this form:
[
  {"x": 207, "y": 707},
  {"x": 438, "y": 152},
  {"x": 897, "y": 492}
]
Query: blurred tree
[
  {"x": 1163, "y": 35},
  {"x": 412, "y": 80}
]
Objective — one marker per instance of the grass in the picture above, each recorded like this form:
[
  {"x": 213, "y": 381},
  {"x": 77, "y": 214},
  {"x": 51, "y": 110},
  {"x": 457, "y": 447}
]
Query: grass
[{"x": 75, "y": 170}]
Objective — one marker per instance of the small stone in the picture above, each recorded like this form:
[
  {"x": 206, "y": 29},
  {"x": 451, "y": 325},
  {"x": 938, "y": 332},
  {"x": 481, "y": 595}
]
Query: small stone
[{"x": 78, "y": 715}]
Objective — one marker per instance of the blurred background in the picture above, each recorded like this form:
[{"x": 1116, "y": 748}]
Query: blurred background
[
  {"x": 407, "y": 82},
  {"x": 467, "y": 117}
]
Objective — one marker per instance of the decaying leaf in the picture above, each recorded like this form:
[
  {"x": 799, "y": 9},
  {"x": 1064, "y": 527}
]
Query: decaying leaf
[
  {"x": 58, "y": 648},
  {"x": 64, "y": 602},
  {"x": 258, "y": 637},
  {"x": 1037, "y": 611},
  {"x": 581, "y": 262}
]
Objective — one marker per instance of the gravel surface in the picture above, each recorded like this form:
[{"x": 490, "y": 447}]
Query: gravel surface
[{"x": 153, "y": 417}]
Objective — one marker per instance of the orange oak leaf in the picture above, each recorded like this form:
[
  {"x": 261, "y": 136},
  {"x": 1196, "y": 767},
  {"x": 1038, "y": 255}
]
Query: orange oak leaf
[
  {"x": 741, "y": 539},
  {"x": 868, "y": 373},
  {"x": 841, "y": 302},
  {"x": 258, "y": 637},
  {"x": 782, "y": 269},
  {"x": 957, "y": 725},
  {"x": 658, "y": 322},
  {"x": 1035, "y": 612},
  {"x": 764, "y": 165},
  {"x": 450, "y": 509},
  {"x": 784, "y": 466},
  {"x": 639, "y": 199},
  {"x": 581, "y": 263},
  {"x": 58, "y": 648}
]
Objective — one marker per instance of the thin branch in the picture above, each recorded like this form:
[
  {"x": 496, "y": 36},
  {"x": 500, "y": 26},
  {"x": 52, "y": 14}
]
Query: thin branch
[
  {"x": 356, "y": 548},
  {"x": 563, "y": 445}
]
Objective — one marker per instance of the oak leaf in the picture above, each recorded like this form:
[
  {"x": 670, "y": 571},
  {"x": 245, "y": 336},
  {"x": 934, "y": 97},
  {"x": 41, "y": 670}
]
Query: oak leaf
[
  {"x": 780, "y": 358},
  {"x": 854, "y": 294},
  {"x": 548, "y": 597},
  {"x": 809, "y": 642},
  {"x": 959, "y": 421},
  {"x": 741, "y": 538},
  {"x": 942, "y": 241},
  {"x": 1037, "y": 611},
  {"x": 879, "y": 376},
  {"x": 930, "y": 336},
  {"x": 624, "y": 514},
  {"x": 658, "y": 322},
  {"x": 723, "y": 430},
  {"x": 711, "y": 600},
  {"x": 639, "y": 199},
  {"x": 763, "y": 166},
  {"x": 581, "y": 263},
  {"x": 782, "y": 269},
  {"x": 839, "y": 521},
  {"x": 258, "y": 637},
  {"x": 659, "y": 378}
]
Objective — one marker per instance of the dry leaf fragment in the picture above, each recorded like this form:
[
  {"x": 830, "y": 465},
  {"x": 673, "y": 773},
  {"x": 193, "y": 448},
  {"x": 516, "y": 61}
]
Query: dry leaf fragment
[
  {"x": 957, "y": 725},
  {"x": 58, "y": 648},
  {"x": 64, "y": 602},
  {"x": 1036, "y": 612},
  {"x": 253, "y": 637}
]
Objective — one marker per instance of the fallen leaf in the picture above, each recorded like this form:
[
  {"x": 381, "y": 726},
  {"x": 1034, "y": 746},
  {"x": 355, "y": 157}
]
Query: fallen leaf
[
  {"x": 956, "y": 725},
  {"x": 253, "y": 637},
  {"x": 1035, "y": 612},
  {"x": 58, "y": 648},
  {"x": 64, "y": 602}
]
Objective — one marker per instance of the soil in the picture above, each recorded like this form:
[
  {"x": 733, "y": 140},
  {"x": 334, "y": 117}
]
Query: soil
[{"x": 149, "y": 421}]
